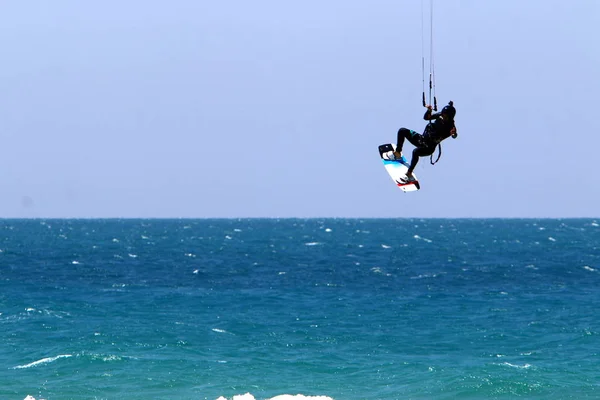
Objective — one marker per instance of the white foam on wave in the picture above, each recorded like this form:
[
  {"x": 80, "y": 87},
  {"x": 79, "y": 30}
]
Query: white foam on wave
[
  {"x": 42, "y": 361},
  {"x": 525, "y": 366},
  {"x": 312, "y": 244},
  {"x": 248, "y": 396},
  {"x": 587, "y": 267},
  {"x": 385, "y": 246},
  {"x": 423, "y": 239},
  {"x": 378, "y": 270},
  {"x": 425, "y": 276},
  {"x": 299, "y": 397}
]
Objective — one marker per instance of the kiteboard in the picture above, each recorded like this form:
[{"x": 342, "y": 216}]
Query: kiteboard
[{"x": 397, "y": 169}]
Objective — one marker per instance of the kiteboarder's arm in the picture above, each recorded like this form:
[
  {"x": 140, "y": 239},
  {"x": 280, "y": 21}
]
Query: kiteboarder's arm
[{"x": 429, "y": 116}]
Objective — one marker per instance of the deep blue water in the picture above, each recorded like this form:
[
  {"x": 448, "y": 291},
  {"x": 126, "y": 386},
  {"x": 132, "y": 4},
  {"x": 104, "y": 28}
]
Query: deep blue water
[{"x": 344, "y": 308}]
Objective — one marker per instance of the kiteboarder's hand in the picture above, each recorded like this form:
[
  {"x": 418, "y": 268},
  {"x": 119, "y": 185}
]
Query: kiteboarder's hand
[
  {"x": 429, "y": 108},
  {"x": 453, "y": 132}
]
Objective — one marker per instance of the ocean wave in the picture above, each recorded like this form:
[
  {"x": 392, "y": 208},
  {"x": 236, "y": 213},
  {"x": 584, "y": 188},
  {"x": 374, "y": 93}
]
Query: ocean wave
[
  {"x": 524, "y": 366},
  {"x": 42, "y": 361},
  {"x": 248, "y": 396},
  {"x": 106, "y": 357},
  {"x": 378, "y": 270},
  {"x": 422, "y": 238}
]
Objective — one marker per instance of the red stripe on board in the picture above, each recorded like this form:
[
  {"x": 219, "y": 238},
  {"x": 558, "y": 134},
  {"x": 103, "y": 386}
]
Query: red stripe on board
[{"x": 407, "y": 183}]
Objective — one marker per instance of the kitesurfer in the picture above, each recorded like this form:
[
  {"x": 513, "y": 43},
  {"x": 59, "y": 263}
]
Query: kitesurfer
[{"x": 440, "y": 127}]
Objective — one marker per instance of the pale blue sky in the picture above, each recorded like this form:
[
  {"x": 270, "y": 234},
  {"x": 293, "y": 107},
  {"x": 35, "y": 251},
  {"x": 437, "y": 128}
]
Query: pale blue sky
[{"x": 276, "y": 108}]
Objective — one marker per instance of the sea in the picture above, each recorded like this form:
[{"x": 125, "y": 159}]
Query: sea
[{"x": 343, "y": 309}]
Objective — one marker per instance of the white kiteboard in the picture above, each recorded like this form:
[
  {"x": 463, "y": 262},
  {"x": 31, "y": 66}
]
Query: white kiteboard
[{"x": 397, "y": 169}]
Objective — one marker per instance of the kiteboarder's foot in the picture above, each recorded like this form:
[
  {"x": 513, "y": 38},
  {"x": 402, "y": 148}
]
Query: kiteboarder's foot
[
  {"x": 410, "y": 176},
  {"x": 398, "y": 155}
]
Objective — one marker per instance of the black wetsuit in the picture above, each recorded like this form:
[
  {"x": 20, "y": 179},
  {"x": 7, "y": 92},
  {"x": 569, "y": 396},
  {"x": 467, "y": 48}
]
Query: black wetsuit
[{"x": 426, "y": 143}]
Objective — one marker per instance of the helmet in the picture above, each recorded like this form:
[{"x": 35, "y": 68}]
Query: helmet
[{"x": 449, "y": 110}]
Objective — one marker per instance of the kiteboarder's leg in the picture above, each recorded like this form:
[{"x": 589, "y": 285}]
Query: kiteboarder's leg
[
  {"x": 413, "y": 162},
  {"x": 418, "y": 152},
  {"x": 409, "y": 134}
]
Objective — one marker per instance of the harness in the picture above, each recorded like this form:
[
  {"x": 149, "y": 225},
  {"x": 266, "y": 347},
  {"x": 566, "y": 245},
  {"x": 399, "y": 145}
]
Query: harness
[
  {"x": 430, "y": 139},
  {"x": 439, "y": 146}
]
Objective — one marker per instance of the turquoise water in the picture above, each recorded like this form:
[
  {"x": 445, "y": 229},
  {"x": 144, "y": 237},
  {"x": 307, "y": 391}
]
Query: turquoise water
[{"x": 344, "y": 308}]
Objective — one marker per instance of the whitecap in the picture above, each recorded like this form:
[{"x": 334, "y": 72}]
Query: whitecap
[
  {"x": 378, "y": 270},
  {"x": 589, "y": 268},
  {"x": 423, "y": 276},
  {"x": 246, "y": 396},
  {"x": 385, "y": 246},
  {"x": 550, "y": 238},
  {"x": 111, "y": 357},
  {"x": 42, "y": 361},
  {"x": 525, "y": 366},
  {"x": 299, "y": 397},
  {"x": 312, "y": 244},
  {"x": 422, "y": 238},
  {"x": 328, "y": 230}
]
